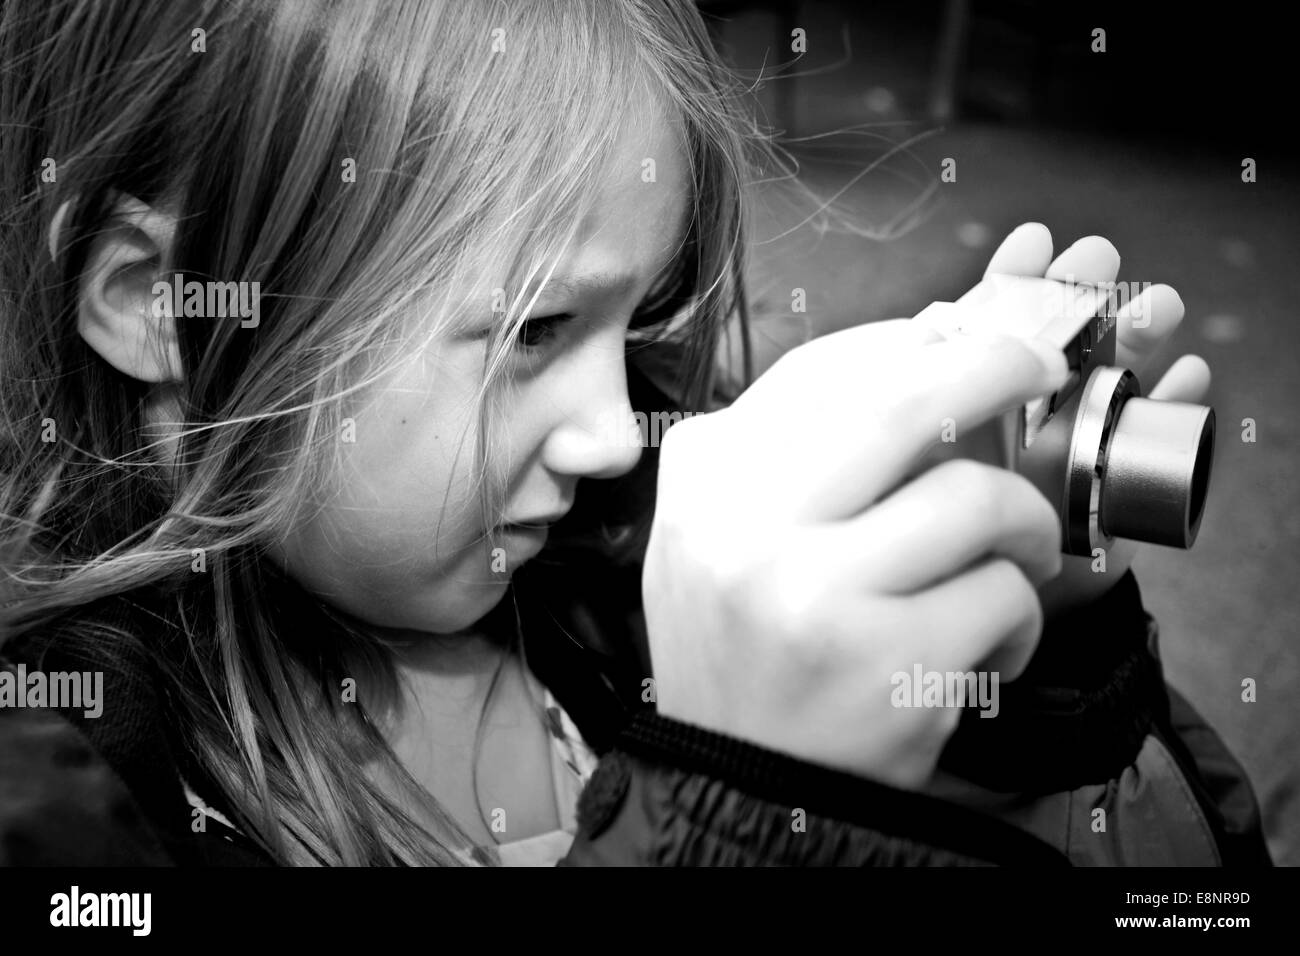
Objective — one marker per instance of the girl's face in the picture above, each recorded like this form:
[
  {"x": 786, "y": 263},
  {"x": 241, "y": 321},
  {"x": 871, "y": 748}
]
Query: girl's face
[{"x": 403, "y": 544}]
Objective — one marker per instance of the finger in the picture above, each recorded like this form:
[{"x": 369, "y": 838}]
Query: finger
[
  {"x": 871, "y": 340},
  {"x": 987, "y": 616},
  {"x": 1025, "y": 252},
  {"x": 878, "y": 430},
  {"x": 1188, "y": 380},
  {"x": 1091, "y": 260},
  {"x": 957, "y": 385},
  {"x": 1017, "y": 302},
  {"x": 1144, "y": 322},
  {"x": 951, "y": 516},
  {"x": 845, "y": 354}
]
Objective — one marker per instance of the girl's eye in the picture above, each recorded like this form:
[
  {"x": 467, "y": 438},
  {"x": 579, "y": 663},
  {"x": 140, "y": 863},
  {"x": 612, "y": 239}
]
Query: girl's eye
[
  {"x": 652, "y": 319},
  {"x": 656, "y": 315},
  {"x": 673, "y": 298},
  {"x": 538, "y": 331}
]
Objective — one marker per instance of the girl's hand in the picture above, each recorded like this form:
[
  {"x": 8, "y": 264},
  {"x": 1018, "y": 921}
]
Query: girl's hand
[
  {"x": 1145, "y": 323},
  {"x": 788, "y": 577}
]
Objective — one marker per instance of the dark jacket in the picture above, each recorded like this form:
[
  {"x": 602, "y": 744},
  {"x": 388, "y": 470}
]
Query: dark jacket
[
  {"x": 1090, "y": 726},
  {"x": 1082, "y": 731}
]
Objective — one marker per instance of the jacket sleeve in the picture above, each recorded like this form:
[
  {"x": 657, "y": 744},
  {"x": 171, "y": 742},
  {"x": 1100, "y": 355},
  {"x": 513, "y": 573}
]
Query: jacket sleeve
[
  {"x": 60, "y": 802},
  {"x": 672, "y": 794},
  {"x": 1077, "y": 728},
  {"x": 1092, "y": 725},
  {"x": 1225, "y": 788}
]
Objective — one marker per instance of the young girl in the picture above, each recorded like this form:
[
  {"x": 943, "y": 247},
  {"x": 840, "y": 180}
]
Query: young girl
[{"x": 365, "y": 571}]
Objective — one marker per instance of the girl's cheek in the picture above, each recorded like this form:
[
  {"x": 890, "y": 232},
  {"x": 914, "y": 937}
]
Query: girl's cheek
[{"x": 519, "y": 432}]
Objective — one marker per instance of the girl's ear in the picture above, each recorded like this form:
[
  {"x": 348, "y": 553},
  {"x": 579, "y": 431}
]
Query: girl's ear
[{"x": 115, "y": 299}]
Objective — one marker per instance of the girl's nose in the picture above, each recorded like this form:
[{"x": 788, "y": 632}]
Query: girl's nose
[{"x": 595, "y": 434}]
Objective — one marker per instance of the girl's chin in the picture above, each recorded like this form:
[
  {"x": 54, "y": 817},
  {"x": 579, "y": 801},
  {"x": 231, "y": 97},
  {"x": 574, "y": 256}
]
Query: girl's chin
[
  {"x": 471, "y": 605},
  {"x": 460, "y": 598}
]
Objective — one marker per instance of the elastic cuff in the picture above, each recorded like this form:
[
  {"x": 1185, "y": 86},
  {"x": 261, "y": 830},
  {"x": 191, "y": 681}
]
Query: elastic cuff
[{"x": 779, "y": 778}]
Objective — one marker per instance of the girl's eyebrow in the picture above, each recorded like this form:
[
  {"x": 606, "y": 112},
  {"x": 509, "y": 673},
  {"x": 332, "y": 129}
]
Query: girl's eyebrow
[
  {"x": 606, "y": 283},
  {"x": 612, "y": 283}
]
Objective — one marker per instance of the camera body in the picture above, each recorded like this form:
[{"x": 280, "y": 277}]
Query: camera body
[{"x": 1113, "y": 463}]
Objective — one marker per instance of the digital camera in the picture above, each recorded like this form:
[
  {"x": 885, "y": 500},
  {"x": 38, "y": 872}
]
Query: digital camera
[{"x": 1112, "y": 463}]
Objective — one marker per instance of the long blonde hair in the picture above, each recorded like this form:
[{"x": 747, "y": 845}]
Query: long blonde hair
[{"x": 476, "y": 131}]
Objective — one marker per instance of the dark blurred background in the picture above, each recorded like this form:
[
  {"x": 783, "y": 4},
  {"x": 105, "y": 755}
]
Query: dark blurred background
[{"x": 1142, "y": 143}]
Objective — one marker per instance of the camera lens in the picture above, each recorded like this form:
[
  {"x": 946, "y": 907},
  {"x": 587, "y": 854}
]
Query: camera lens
[
  {"x": 1157, "y": 472},
  {"x": 1201, "y": 475}
]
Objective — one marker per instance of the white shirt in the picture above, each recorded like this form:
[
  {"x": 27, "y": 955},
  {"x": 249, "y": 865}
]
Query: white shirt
[{"x": 572, "y": 763}]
